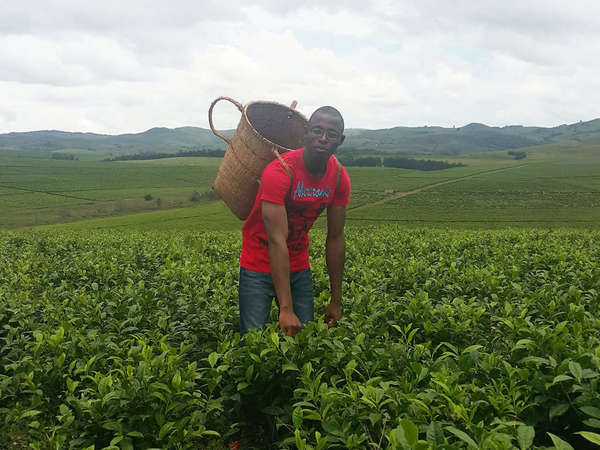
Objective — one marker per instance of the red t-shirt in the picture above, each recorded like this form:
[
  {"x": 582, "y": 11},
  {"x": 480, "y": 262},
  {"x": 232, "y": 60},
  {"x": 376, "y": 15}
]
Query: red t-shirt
[{"x": 304, "y": 199}]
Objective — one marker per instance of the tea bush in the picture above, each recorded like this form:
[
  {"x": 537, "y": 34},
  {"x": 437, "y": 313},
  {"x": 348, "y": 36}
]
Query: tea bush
[{"x": 449, "y": 340}]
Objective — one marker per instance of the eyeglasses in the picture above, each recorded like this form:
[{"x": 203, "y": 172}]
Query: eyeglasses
[{"x": 331, "y": 135}]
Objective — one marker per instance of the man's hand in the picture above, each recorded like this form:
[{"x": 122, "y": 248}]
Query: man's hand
[
  {"x": 333, "y": 313},
  {"x": 289, "y": 323}
]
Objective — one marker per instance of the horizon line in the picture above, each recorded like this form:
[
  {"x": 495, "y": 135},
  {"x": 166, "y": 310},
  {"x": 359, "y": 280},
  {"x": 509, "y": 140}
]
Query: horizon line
[{"x": 349, "y": 128}]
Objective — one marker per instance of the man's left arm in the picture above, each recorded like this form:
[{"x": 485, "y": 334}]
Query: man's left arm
[{"x": 335, "y": 252}]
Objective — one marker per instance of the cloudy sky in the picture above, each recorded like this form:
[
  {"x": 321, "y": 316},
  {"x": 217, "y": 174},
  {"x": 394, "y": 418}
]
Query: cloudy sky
[{"x": 126, "y": 66}]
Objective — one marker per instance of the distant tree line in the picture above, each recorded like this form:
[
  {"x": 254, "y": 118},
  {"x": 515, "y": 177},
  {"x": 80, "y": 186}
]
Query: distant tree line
[
  {"x": 181, "y": 153},
  {"x": 419, "y": 164},
  {"x": 365, "y": 161},
  {"x": 64, "y": 156},
  {"x": 396, "y": 162},
  {"x": 517, "y": 155}
]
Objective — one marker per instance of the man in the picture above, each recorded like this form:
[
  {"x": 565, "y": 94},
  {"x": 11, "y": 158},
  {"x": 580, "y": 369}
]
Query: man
[{"x": 294, "y": 190}]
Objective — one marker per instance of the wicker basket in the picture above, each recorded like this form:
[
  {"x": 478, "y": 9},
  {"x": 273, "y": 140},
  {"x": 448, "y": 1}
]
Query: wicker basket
[{"x": 265, "y": 129}]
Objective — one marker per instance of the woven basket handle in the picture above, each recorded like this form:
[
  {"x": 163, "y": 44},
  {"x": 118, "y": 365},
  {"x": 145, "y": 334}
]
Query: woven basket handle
[{"x": 210, "y": 120}]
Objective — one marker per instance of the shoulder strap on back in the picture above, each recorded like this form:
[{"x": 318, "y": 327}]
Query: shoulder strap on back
[
  {"x": 283, "y": 163},
  {"x": 338, "y": 172}
]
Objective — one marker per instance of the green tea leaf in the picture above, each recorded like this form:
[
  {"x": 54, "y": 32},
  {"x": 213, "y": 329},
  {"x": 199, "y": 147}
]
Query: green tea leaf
[
  {"x": 592, "y": 423},
  {"x": 462, "y": 436},
  {"x": 559, "y": 444},
  {"x": 374, "y": 418},
  {"x": 407, "y": 433},
  {"x": 30, "y": 413},
  {"x": 558, "y": 410},
  {"x": 176, "y": 381},
  {"x": 321, "y": 441},
  {"x": 249, "y": 373},
  {"x": 576, "y": 370},
  {"x": 472, "y": 348},
  {"x": 165, "y": 430},
  {"x": 300, "y": 443},
  {"x": 525, "y": 436},
  {"x": 435, "y": 433},
  {"x": 590, "y": 411},
  {"x": 159, "y": 396},
  {"x": 213, "y": 358},
  {"x": 523, "y": 344},
  {"x": 126, "y": 444},
  {"x": 560, "y": 378},
  {"x": 297, "y": 417},
  {"x": 592, "y": 437},
  {"x": 135, "y": 434},
  {"x": 60, "y": 360},
  {"x": 72, "y": 385},
  {"x": 275, "y": 339},
  {"x": 310, "y": 415},
  {"x": 289, "y": 366},
  {"x": 113, "y": 425}
]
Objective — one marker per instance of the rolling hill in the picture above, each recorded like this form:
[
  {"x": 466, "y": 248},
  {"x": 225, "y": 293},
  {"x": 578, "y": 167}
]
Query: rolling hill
[{"x": 471, "y": 138}]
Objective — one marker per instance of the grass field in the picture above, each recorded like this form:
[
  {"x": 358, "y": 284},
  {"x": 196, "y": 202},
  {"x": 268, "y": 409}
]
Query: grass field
[
  {"x": 38, "y": 191},
  {"x": 555, "y": 186},
  {"x": 552, "y": 187},
  {"x": 213, "y": 216}
]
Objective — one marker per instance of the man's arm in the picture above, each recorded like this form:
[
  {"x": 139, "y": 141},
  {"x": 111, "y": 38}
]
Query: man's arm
[
  {"x": 335, "y": 256},
  {"x": 276, "y": 224}
]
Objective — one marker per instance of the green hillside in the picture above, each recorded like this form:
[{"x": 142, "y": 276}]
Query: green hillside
[
  {"x": 471, "y": 138},
  {"x": 154, "y": 139}
]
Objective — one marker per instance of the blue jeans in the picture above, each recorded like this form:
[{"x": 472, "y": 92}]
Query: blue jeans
[{"x": 256, "y": 294}]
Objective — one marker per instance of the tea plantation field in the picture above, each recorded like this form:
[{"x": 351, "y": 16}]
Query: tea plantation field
[
  {"x": 555, "y": 186},
  {"x": 35, "y": 191},
  {"x": 450, "y": 339}
]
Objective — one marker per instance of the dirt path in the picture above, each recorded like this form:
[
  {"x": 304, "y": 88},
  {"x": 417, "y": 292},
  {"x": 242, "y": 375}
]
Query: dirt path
[
  {"x": 9, "y": 186},
  {"x": 398, "y": 195}
]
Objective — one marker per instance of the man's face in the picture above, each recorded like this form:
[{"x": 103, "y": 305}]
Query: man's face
[{"x": 323, "y": 136}]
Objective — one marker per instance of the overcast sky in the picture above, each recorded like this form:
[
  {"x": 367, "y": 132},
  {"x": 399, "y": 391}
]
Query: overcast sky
[{"x": 126, "y": 66}]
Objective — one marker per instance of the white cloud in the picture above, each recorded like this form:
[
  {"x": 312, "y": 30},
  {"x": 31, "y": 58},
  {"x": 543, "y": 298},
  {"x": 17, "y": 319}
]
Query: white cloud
[
  {"x": 75, "y": 60},
  {"x": 127, "y": 66}
]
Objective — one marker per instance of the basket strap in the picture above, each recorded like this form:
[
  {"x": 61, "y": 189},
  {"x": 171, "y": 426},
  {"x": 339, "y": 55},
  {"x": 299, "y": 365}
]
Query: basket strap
[
  {"x": 287, "y": 169},
  {"x": 285, "y": 166},
  {"x": 283, "y": 163},
  {"x": 338, "y": 173}
]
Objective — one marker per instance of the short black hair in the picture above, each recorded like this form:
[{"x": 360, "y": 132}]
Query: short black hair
[{"x": 330, "y": 110}]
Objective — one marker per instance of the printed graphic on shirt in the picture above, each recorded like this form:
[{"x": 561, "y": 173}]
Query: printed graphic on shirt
[{"x": 302, "y": 192}]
